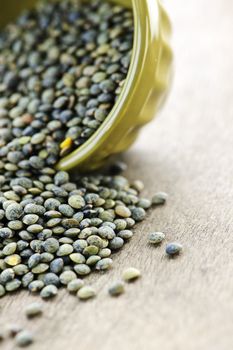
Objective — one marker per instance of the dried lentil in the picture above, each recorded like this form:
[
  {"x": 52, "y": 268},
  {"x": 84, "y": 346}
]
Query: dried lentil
[
  {"x": 156, "y": 237},
  {"x": 86, "y": 292},
  {"x": 33, "y": 310},
  {"x": 116, "y": 288},
  {"x": 174, "y": 249},
  {"x": 131, "y": 274},
  {"x": 24, "y": 338}
]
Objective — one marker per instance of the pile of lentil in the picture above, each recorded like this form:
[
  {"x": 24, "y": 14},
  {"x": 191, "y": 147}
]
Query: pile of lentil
[
  {"x": 54, "y": 231},
  {"x": 62, "y": 67}
]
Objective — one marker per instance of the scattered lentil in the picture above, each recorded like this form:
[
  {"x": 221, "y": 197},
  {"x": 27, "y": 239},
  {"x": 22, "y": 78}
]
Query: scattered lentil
[
  {"x": 159, "y": 198},
  {"x": 33, "y": 310},
  {"x": 49, "y": 291},
  {"x": 174, "y": 249},
  {"x": 74, "y": 285},
  {"x": 86, "y": 292},
  {"x": 24, "y": 338},
  {"x": 131, "y": 274},
  {"x": 156, "y": 237},
  {"x": 116, "y": 288}
]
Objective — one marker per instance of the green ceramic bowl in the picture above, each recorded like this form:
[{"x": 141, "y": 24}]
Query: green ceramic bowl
[{"x": 145, "y": 89}]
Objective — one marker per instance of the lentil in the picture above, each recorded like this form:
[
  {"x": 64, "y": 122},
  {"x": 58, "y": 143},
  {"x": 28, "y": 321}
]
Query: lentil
[
  {"x": 86, "y": 292},
  {"x": 173, "y": 249},
  {"x": 116, "y": 288},
  {"x": 24, "y": 338},
  {"x": 131, "y": 274},
  {"x": 33, "y": 310},
  {"x": 159, "y": 198},
  {"x": 156, "y": 237}
]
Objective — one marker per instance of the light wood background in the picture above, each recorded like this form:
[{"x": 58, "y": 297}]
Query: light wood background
[{"x": 185, "y": 303}]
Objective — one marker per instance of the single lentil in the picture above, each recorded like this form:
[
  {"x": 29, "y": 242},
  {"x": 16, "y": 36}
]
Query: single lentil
[
  {"x": 33, "y": 310},
  {"x": 86, "y": 292},
  {"x": 174, "y": 249},
  {"x": 131, "y": 274},
  {"x": 159, "y": 198},
  {"x": 156, "y": 237},
  {"x": 24, "y": 338},
  {"x": 48, "y": 292},
  {"x": 116, "y": 288},
  {"x": 74, "y": 285}
]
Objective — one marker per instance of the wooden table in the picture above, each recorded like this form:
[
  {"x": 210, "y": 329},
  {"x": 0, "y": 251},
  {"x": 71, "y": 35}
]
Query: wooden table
[{"x": 184, "y": 303}]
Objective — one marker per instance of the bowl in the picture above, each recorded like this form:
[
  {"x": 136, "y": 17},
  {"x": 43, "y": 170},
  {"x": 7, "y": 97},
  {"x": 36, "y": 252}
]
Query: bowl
[{"x": 145, "y": 89}]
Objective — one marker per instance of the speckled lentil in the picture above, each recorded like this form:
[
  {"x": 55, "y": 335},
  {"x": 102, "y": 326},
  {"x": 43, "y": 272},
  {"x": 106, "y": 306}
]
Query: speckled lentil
[
  {"x": 159, "y": 198},
  {"x": 48, "y": 292},
  {"x": 156, "y": 237},
  {"x": 174, "y": 248},
  {"x": 86, "y": 292}
]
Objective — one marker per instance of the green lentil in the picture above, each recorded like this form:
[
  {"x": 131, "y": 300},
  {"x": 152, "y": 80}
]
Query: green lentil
[
  {"x": 82, "y": 269},
  {"x": 131, "y": 274},
  {"x": 48, "y": 292},
  {"x": 51, "y": 245},
  {"x": 116, "y": 288},
  {"x": 156, "y": 237},
  {"x": 35, "y": 286},
  {"x": 74, "y": 285},
  {"x": 138, "y": 214},
  {"x": 14, "y": 211},
  {"x": 104, "y": 264},
  {"x": 10, "y": 248},
  {"x": 125, "y": 234},
  {"x": 65, "y": 249},
  {"x": 159, "y": 198},
  {"x": 7, "y": 275},
  {"x": 92, "y": 260},
  {"x": 12, "y": 285},
  {"x": 40, "y": 268},
  {"x": 122, "y": 211},
  {"x": 24, "y": 338},
  {"x": 13, "y": 259},
  {"x": 76, "y": 202},
  {"x": 104, "y": 253},
  {"x": 90, "y": 250},
  {"x": 77, "y": 258},
  {"x": 116, "y": 243},
  {"x": 20, "y": 269},
  {"x": 67, "y": 276},
  {"x": 86, "y": 292},
  {"x": 33, "y": 310},
  {"x": 174, "y": 249}
]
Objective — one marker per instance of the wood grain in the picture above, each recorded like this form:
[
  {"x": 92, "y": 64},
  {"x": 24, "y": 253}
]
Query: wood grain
[{"x": 185, "y": 303}]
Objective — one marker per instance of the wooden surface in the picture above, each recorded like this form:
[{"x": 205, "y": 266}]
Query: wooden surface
[{"x": 185, "y": 303}]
